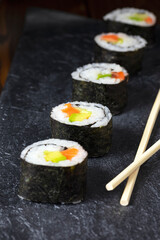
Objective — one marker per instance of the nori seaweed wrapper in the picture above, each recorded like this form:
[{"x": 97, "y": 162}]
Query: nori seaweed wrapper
[
  {"x": 96, "y": 141},
  {"x": 49, "y": 184},
  {"x": 145, "y": 32},
  {"x": 131, "y": 60},
  {"x": 114, "y": 96}
]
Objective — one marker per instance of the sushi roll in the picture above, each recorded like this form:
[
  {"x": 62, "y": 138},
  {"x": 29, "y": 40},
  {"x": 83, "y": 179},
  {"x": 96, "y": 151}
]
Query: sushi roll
[
  {"x": 90, "y": 124},
  {"x": 53, "y": 171},
  {"x": 131, "y": 21},
  {"x": 104, "y": 83},
  {"x": 120, "y": 48}
]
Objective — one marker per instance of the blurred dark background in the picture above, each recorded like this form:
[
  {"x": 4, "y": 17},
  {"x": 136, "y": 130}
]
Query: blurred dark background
[{"x": 12, "y": 15}]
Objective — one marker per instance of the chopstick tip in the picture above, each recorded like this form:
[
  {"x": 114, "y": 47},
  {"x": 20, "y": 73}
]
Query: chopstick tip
[
  {"x": 124, "y": 202},
  {"x": 109, "y": 187}
]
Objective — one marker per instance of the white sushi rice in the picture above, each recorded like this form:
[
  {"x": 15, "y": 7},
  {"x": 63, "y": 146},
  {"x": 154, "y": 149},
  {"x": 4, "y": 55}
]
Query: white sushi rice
[
  {"x": 89, "y": 73},
  {"x": 123, "y": 14},
  {"x": 130, "y": 43},
  {"x": 34, "y": 153},
  {"x": 100, "y": 116}
]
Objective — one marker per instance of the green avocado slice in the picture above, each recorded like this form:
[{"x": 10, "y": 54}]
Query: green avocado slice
[
  {"x": 138, "y": 17},
  {"x": 84, "y": 114},
  {"x": 120, "y": 40},
  {"x": 55, "y": 156},
  {"x": 103, "y": 75}
]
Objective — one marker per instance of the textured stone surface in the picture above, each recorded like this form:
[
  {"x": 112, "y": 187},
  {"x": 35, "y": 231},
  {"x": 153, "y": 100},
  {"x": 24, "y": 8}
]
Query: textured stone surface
[{"x": 51, "y": 47}]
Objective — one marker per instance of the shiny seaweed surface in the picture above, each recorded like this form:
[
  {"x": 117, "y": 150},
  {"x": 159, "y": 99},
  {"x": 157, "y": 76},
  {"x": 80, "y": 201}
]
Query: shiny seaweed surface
[
  {"x": 131, "y": 60},
  {"x": 145, "y": 32},
  {"x": 53, "y": 184},
  {"x": 113, "y": 96},
  {"x": 96, "y": 141}
]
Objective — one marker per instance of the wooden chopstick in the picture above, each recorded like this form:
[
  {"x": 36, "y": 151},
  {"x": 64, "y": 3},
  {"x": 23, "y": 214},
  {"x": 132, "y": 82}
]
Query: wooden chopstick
[
  {"x": 133, "y": 166},
  {"x": 142, "y": 147}
]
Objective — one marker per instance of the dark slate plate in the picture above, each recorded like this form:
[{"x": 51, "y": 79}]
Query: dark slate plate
[{"x": 53, "y": 44}]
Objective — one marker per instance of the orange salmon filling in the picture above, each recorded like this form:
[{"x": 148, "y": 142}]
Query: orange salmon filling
[
  {"x": 69, "y": 110},
  {"x": 70, "y": 153},
  {"x": 57, "y": 156},
  {"x": 119, "y": 75},
  {"x": 148, "y": 20},
  {"x": 110, "y": 38}
]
